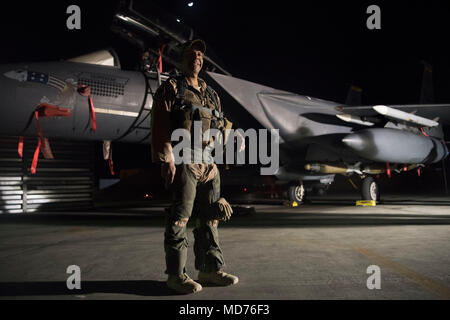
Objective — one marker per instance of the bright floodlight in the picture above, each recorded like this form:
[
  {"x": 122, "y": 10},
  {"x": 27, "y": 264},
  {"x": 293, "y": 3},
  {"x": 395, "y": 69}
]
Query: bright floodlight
[{"x": 190, "y": 4}]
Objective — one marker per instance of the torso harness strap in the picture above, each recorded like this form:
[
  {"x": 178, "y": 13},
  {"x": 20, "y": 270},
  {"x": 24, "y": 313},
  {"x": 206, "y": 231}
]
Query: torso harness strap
[{"x": 181, "y": 89}]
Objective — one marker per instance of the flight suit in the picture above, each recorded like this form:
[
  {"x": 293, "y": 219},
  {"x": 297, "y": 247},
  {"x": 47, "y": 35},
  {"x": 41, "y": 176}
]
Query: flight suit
[{"x": 196, "y": 186}]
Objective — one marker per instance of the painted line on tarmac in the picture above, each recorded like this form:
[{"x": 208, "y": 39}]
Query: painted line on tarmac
[{"x": 425, "y": 282}]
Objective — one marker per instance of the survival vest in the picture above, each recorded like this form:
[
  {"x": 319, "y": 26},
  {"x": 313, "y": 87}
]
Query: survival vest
[{"x": 184, "y": 112}]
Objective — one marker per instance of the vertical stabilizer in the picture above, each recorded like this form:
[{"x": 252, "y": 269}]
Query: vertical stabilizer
[
  {"x": 427, "y": 92},
  {"x": 353, "y": 96}
]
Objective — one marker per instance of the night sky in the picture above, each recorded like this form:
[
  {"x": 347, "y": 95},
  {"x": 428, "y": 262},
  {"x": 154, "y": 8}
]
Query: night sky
[
  {"x": 315, "y": 48},
  {"x": 319, "y": 48}
]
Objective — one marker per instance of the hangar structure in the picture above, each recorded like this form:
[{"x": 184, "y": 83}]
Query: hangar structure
[{"x": 64, "y": 182}]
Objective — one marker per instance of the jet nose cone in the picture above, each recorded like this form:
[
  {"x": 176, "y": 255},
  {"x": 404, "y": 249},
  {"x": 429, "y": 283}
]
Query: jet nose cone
[{"x": 354, "y": 141}]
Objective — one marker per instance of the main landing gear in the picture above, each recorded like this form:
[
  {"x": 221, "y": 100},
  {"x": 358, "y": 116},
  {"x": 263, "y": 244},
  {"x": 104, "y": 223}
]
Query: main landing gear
[{"x": 370, "y": 189}]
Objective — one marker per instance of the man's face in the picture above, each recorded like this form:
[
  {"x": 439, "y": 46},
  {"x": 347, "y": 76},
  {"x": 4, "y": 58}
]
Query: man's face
[{"x": 193, "y": 61}]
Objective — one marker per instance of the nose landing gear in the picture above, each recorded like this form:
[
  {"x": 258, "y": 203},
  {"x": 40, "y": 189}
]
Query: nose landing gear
[{"x": 296, "y": 193}]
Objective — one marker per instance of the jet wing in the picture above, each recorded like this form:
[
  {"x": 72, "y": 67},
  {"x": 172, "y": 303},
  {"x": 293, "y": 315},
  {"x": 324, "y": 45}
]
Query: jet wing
[
  {"x": 278, "y": 109},
  {"x": 246, "y": 93}
]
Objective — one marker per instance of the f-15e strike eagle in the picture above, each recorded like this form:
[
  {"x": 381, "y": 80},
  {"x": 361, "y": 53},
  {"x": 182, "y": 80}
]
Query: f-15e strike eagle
[{"x": 318, "y": 138}]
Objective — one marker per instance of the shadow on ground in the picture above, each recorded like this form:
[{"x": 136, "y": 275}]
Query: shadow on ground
[
  {"x": 267, "y": 217},
  {"x": 141, "y": 288}
]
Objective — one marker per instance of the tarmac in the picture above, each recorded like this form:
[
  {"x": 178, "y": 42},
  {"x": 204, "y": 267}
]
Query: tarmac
[{"x": 319, "y": 250}]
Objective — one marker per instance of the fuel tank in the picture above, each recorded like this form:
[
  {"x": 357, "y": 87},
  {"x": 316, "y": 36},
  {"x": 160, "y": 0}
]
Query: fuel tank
[
  {"x": 395, "y": 146},
  {"x": 122, "y": 101}
]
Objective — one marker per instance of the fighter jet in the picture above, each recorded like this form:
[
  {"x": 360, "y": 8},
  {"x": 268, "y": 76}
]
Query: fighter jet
[
  {"x": 92, "y": 98},
  {"x": 319, "y": 139}
]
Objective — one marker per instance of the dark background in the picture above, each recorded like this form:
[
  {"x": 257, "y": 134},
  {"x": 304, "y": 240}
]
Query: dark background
[{"x": 315, "y": 48}]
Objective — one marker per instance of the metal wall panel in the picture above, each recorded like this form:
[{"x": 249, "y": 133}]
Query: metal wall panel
[{"x": 66, "y": 182}]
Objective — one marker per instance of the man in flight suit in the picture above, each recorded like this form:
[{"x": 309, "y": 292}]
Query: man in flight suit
[{"x": 195, "y": 187}]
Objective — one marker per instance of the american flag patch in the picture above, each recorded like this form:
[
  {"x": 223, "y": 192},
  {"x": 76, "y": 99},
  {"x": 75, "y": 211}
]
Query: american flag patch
[
  {"x": 37, "y": 77},
  {"x": 43, "y": 78}
]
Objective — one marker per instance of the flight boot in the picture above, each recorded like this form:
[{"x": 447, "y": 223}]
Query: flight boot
[
  {"x": 219, "y": 278},
  {"x": 183, "y": 284}
]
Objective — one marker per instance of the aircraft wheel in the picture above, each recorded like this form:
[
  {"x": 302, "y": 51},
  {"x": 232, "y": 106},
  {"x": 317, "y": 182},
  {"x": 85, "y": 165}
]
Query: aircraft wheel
[
  {"x": 297, "y": 193},
  {"x": 370, "y": 189}
]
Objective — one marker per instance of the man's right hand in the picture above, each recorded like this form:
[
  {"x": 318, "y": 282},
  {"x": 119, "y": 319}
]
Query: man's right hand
[{"x": 168, "y": 172}]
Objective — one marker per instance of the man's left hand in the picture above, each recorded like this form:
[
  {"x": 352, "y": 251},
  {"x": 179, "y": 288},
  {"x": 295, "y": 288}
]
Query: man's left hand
[{"x": 224, "y": 210}]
